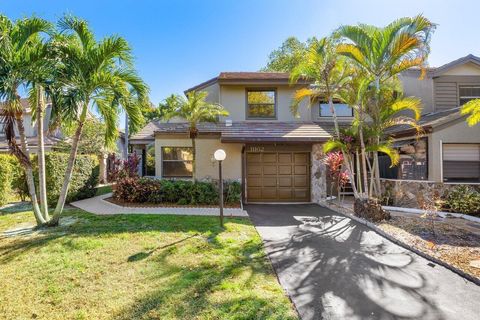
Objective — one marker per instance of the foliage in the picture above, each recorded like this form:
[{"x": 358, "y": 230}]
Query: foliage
[
  {"x": 121, "y": 169},
  {"x": 5, "y": 179},
  {"x": 287, "y": 56},
  {"x": 472, "y": 109},
  {"x": 182, "y": 192},
  {"x": 464, "y": 199},
  {"x": 164, "y": 108}
]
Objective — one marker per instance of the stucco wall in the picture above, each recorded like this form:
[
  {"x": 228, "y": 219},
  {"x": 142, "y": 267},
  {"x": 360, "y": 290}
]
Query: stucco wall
[
  {"x": 233, "y": 98},
  {"x": 206, "y": 168},
  {"x": 459, "y": 132}
]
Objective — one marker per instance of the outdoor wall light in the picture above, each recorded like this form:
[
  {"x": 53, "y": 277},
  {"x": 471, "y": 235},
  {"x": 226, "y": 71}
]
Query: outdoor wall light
[{"x": 220, "y": 155}]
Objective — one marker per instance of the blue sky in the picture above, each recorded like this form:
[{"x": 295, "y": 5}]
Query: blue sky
[{"x": 180, "y": 43}]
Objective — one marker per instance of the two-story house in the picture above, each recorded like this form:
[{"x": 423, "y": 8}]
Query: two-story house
[
  {"x": 278, "y": 157},
  {"x": 31, "y": 130}
]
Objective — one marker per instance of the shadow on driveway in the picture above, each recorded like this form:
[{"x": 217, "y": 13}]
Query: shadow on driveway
[{"x": 335, "y": 268}]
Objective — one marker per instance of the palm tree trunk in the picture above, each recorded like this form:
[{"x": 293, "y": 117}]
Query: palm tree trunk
[
  {"x": 42, "y": 184},
  {"x": 364, "y": 157},
  {"x": 194, "y": 160},
  {"x": 29, "y": 172},
  {"x": 69, "y": 171},
  {"x": 376, "y": 164}
]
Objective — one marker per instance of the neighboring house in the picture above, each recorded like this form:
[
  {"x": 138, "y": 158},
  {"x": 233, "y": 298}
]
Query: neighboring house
[
  {"x": 278, "y": 158},
  {"x": 31, "y": 130}
]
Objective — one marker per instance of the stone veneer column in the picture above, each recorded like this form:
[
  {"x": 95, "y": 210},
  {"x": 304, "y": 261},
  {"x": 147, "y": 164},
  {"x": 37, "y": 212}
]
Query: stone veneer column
[{"x": 318, "y": 175}]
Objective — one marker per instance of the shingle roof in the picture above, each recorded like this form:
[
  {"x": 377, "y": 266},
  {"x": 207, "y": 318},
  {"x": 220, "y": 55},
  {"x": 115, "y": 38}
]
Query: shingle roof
[
  {"x": 429, "y": 120},
  {"x": 242, "y": 131}
]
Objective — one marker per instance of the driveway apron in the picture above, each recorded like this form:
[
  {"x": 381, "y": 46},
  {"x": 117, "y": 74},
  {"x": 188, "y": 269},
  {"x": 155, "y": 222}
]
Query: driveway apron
[{"x": 335, "y": 268}]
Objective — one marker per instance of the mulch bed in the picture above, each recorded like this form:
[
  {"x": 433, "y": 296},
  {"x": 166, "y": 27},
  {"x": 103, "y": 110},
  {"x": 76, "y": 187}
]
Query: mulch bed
[
  {"x": 449, "y": 243},
  {"x": 163, "y": 205}
]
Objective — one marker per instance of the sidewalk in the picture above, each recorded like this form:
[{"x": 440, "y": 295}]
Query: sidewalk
[{"x": 97, "y": 205}]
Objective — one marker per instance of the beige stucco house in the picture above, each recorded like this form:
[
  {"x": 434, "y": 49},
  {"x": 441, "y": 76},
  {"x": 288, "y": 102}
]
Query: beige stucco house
[{"x": 278, "y": 157}]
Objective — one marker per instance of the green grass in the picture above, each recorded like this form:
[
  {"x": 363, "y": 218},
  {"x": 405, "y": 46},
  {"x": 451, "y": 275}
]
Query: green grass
[
  {"x": 103, "y": 190},
  {"x": 138, "y": 267}
]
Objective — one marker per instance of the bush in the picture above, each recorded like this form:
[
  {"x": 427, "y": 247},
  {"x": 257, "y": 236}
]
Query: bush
[
  {"x": 5, "y": 179},
  {"x": 175, "y": 191},
  {"x": 463, "y": 199}
]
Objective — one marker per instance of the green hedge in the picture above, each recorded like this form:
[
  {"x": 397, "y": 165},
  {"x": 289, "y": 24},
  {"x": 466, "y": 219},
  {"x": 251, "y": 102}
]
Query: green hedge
[
  {"x": 148, "y": 190},
  {"x": 5, "y": 179},
  {"x": 82, "y": 185},
  {"x": 463, "y": 199}
]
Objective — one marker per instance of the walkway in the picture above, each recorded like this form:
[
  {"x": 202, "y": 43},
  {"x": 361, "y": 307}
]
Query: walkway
[
  {"x": 335, "y": 268},
  {"x": 98, "y": 205}
]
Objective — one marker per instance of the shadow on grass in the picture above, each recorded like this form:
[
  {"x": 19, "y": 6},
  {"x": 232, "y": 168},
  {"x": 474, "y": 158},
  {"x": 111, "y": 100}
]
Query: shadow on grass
[
  {"x": 16, "y": 208},
  {"x": 208, "y": 290},
  {"x": 145, "y": 254},
  {"x": 91, "y": 225}
]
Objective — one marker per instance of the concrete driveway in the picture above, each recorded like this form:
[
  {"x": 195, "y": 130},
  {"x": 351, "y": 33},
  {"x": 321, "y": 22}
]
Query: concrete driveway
[{"x": 335, "y": 268}]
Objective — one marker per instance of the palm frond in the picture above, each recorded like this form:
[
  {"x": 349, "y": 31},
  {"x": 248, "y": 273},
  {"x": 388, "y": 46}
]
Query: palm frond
[{"x": 472, "y": 109}]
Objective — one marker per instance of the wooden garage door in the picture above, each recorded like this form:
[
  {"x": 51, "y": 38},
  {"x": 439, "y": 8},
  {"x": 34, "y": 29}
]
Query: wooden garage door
[{"x": 278, "y": 176}]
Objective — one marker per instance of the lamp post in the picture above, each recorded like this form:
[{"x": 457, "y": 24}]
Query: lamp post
[{"x": 220, "y": 155}]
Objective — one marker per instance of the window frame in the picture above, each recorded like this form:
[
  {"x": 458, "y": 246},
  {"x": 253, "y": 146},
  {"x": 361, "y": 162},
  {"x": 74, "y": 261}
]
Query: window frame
[
  {"x": 460, "y": 97},
  {"x": 330, "y": 117},
  {"x": 247, "y": 105},
  {"x": 183, "y": 161}
]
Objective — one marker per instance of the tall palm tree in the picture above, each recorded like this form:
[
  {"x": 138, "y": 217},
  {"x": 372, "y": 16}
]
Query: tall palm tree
[
  {"x": 331, "y": 74},
  {"x": 95, "y": 74},
  {"x": 194, "y": 110},
  {"x": 18, "y": 42},
  {"x": 382, "y": 53}
]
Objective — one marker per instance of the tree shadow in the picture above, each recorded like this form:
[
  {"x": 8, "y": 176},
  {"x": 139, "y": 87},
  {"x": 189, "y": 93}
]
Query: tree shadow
[
  {"x": 335, "y": 268},
  {"x": 89, "y": 225},
  {"x": 194, "y": 289},
  {"x": 145, "y": 254}
]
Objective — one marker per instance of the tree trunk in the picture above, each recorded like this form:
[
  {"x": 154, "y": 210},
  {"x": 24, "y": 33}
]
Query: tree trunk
[
  {"x": 376, "y": 164},
  {"x": 42, "y": 184},
  {"x": 194, "y": 160},
  {"x": 68, "y": 172},
  {"x": 29, "y": 172},
  {"x": 362, "y": 151}
]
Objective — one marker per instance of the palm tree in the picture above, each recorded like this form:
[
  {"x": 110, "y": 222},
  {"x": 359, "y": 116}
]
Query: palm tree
[
  {"x": 472, "y": 109},
  {"x": 382, "y": 53},
  {"x": 18, "y": 42},
  {"x": 331, "y": 75},
  {"x": 195, "y": 109},
  {"x": 95, "y": 74}
]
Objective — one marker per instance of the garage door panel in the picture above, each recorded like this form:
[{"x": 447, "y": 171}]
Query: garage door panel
[
  {"x": 284, "y": 158},
  {"x": 285, "y": 170},
  {"x": 285, "y": 194},
  {"x": 301, "y": 169},
  {"x": 271, "y": 169},
  {"x": 269, "y": 193},
  {"x": 254, "y": 193},
  {"x": 285, "y": 182},
  {"x": 270, "y": 157},
  {"x": 301, "y": 181},
  {"x": 270, "y": 182},
  {"x": 254, "y": 157},
  {"x": 254, "y": 169},
  {"x": 300, "y": 158},
  {"x": 255, "y": 181}
]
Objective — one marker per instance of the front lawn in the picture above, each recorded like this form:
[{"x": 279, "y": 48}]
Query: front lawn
[{"x": 137, "y": 267}]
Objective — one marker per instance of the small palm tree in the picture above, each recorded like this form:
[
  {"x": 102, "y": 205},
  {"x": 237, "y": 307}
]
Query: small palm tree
[
  {"x": 195, "y": 109},
  {"x": 382, "y": 53},
  {"x": 19, "y": 43},
  {"x": 94, "y": 74}
]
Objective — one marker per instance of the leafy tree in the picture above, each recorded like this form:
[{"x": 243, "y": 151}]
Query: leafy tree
[
  {"x": 95, "y": 74},
  {"x": 472, "y": 109},
  {"x": 19, "y": 41},
  {"x": 194, "y": 110},
  {"x": 287, "y": 56},
  {"x": 167, "y": 106}
]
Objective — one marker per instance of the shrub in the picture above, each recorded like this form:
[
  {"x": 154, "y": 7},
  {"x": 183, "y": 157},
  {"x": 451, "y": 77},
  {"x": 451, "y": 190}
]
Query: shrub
[
  {"x": 463, "y": 199},
  {"x": 175, "y": 191},
  {"x": 5, "y": 179}
]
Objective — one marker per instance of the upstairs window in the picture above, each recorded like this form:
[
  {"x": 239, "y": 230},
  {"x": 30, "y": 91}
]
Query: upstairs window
[
  {"x": 261, "y": 104},
  {"x": 341, "y": 110},
  {"x": 467, "y": 93},
  {"x": 177, "y": 162}
]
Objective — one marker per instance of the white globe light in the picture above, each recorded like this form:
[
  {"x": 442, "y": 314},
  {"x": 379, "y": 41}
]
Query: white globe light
[{"x": 220, "y": 155}]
